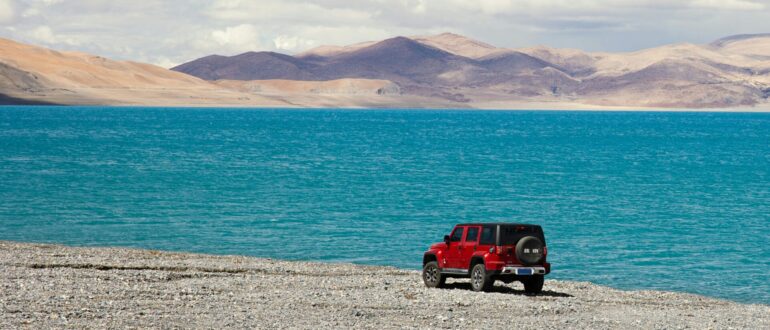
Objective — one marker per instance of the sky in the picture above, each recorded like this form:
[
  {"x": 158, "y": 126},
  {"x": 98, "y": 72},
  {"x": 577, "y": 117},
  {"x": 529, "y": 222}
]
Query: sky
[{"x": 172, "y": 32}]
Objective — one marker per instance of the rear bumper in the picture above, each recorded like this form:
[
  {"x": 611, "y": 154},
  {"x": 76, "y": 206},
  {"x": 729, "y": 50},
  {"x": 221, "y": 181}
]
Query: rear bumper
[
  {"x": 523, "y": 270},
  {"x": 500, "y": 268}
]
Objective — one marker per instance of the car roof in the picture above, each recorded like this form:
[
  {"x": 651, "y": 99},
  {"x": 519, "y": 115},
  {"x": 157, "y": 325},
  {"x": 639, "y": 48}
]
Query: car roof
[{"x": 495, "y": 224}]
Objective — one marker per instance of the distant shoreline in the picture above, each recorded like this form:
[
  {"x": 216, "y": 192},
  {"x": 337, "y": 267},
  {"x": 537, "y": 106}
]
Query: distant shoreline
[
  {"x": 48, "y": 285},
  {"x": 580, "y": 108}
]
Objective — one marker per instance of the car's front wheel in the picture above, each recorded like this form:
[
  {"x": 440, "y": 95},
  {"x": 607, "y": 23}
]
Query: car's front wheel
[
  {"x": 480, "y": 281},
  {"x": 431, "y": 275},
  {"x": 533, "y": 284}
]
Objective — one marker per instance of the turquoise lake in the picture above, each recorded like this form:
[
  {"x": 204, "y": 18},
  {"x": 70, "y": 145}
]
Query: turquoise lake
[{"x": 633, "y": 200}]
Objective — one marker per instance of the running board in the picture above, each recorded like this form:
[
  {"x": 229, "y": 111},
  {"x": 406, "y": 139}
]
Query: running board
[{"x": 454, "y": 271}]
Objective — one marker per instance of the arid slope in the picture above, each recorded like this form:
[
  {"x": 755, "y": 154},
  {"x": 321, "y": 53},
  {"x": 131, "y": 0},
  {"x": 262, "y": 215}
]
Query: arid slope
[
  {"x": 731, "y": 72},
  {"x": 441, "y": 71},
  {"x": 38, "y": 74}
]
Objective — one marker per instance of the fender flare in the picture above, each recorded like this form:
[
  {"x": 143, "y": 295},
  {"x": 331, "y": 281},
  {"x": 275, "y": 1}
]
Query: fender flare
[
  {"x": 436, "y": 255},
  {"x": 478, "y": 257}
]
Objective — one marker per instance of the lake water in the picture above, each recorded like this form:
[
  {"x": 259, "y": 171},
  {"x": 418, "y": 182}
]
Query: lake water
[{"x": 673, "y": 201}]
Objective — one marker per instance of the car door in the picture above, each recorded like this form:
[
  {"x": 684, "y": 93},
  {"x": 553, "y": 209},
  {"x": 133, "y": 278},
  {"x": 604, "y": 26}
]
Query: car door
[
  {"x": 469, "y": 246},
  {"x": 453, "y": 257}
]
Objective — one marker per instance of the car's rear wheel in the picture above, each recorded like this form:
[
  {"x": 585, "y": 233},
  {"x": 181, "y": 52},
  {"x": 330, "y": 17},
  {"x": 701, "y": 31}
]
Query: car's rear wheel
[
  {"x": 431, "y": 275},
  {"x": 480, "y": 280},
  {"x": 533, "y": 284}
]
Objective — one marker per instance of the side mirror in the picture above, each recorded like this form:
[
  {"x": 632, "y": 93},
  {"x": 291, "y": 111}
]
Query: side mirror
[{"x": 446, "y": 239}]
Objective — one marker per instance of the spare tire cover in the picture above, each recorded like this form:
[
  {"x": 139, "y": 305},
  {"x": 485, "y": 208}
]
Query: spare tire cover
[{"x": 529, "y": 250}]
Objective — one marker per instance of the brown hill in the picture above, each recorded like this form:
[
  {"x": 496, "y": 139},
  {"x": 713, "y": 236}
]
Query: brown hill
[
  {"x": 399, "y": 59},
  {"x": 39, "y": 75},
  {"x": 337, "y": 87},
  {"x": 731, "y": 72},
  {"x": 418, "y": 68},
  {"x": 458, "y": 45},
  {"x": 441, "y": 71},
  {"x": 577, "y": 62},
  {"x": 249, "y": 66},
  {"x": 753, "y": 45}
]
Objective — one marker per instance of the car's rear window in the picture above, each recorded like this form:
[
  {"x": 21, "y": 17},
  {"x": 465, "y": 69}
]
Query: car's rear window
[{"x": 511, "y": 234}]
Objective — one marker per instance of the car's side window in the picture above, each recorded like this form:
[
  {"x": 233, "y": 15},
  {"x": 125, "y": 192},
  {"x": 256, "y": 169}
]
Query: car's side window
[
  {"x": 473, "y": 235},
  {"x": 457, "y": 235},
  {"x": 488, "y": 236}
]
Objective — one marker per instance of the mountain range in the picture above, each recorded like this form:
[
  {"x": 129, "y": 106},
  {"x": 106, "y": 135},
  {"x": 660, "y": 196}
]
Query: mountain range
[{"x": 438, "y": 71}]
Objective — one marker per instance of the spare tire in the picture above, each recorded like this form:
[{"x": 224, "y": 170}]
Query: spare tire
[{"x": 529, "y": 250}]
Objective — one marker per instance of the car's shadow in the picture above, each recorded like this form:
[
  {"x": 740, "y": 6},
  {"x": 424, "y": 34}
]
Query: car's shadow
[{"x": 499, "y": 288}]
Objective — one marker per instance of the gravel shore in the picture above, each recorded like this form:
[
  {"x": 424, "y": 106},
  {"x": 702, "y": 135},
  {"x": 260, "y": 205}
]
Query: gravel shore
[{"x": 52, "y": 286}]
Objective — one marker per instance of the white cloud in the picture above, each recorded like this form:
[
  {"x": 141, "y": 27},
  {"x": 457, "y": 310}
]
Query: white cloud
[
  {"x": 44, "y": 34},
  {"x": 163, "y": 62},
  {"x": 341, "y": 34},
  {"x": 415, "y": 6},
  {"x": 729, "y": 4},
  {"x": 240, "y": 37},
  {"x": 501, "y": 7},
  {"x": 7, "y": 11},
  {"x": 284, "y": 11},
  {"x": 292, "y": 43},
  {"x": 30, "y": 12},
  {"x": 168, "y": 32},
  {"x": 38, "y": 7}
]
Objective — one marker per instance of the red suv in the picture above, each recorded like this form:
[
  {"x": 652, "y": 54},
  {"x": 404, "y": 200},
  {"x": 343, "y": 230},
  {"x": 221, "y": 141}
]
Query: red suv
[{"x": 487, "y": 252}]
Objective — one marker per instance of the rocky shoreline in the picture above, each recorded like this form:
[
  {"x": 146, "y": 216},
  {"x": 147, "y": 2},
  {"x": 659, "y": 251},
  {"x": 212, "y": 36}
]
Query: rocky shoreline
[{"x": 53, "y": 286}]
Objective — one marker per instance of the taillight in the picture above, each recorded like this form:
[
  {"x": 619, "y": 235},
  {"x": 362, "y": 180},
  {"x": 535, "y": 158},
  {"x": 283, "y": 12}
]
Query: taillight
[{"x": 545, "y": 251}]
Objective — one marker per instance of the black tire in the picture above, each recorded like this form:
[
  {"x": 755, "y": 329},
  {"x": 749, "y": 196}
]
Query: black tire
[
  {"x": 480, "y": 280},
  {"x": 529, "y": 250},
  {"x": 533, "y": 284},
  {"x": 431, "y": 275}
]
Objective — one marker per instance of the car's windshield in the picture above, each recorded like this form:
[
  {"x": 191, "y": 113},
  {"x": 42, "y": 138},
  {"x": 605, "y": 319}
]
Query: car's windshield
[{"x": 511, "y": 234}]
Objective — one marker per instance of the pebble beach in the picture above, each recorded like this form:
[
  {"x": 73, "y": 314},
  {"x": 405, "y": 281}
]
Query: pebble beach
[{"x": 53, "y": 286}]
